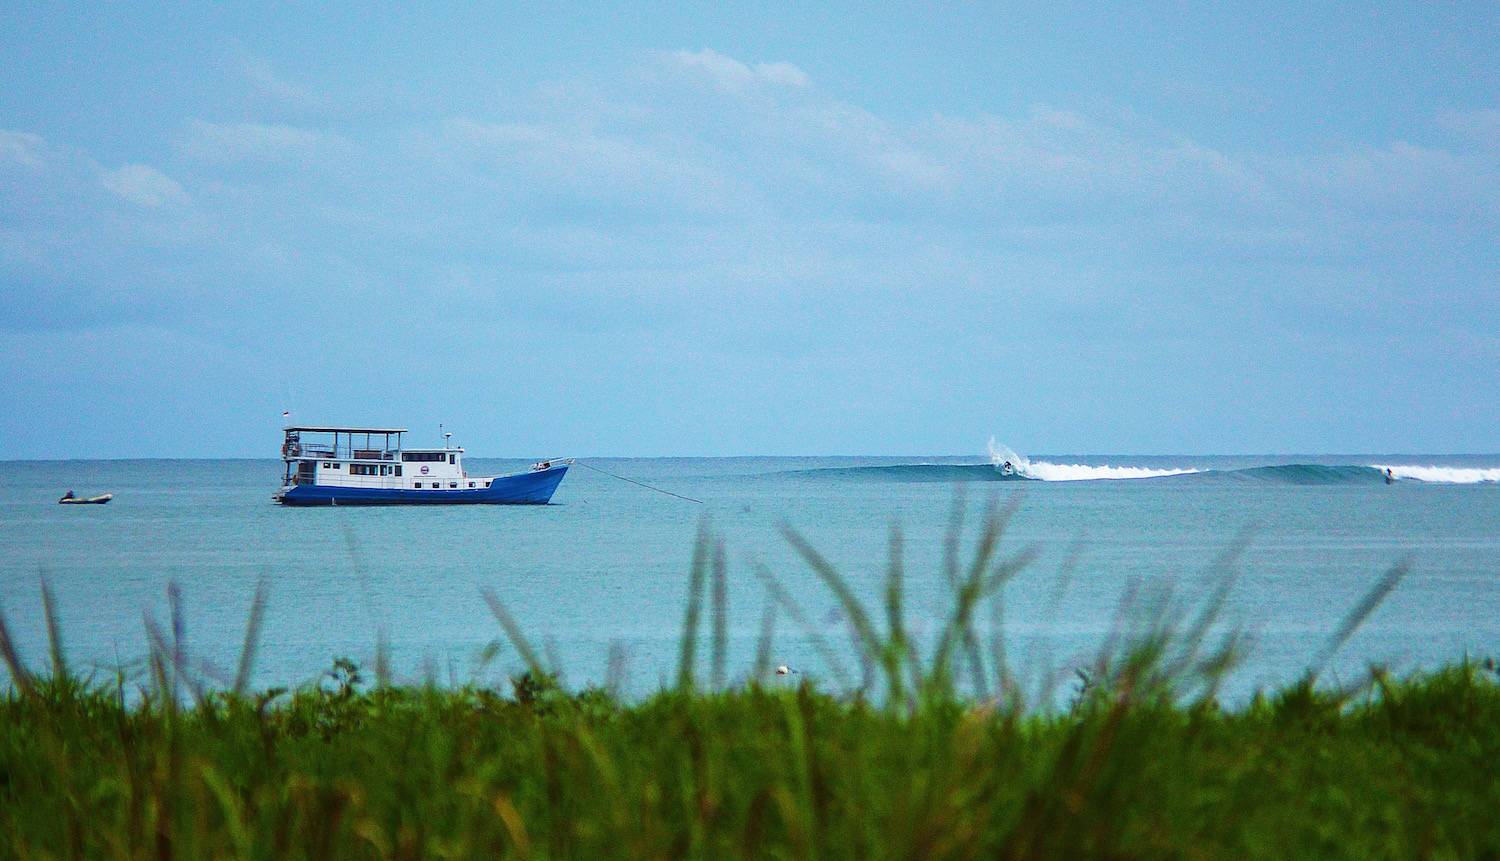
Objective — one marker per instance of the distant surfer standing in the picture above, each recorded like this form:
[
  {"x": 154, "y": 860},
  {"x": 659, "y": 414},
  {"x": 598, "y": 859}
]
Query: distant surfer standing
[
  {"x": 1007, "y": 469},
  {"x": 1389, "y": 476}
]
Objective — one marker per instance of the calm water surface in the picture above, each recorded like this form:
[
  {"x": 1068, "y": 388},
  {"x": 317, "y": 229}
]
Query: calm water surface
[{"x": 607, "y": 562}]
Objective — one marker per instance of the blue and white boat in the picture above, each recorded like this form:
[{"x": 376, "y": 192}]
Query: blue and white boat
[{"x": 369, "y": 466}]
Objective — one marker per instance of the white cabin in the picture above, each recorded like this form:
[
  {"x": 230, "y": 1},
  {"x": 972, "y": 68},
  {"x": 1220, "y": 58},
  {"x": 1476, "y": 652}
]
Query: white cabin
[{"x": 371, "y": 458}]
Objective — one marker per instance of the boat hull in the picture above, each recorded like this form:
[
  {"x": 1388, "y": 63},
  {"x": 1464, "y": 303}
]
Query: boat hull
[{"x": 527, "y": 488}]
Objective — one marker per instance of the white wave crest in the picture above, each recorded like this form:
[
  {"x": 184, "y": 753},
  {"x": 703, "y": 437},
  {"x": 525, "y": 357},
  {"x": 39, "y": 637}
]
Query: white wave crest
[
  {"x": 1044, "y": 471},
  {"x": 1443, "y": 474},
  {"x": 1084, "y": 472}
]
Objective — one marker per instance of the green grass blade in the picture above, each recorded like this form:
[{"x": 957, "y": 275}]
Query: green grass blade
[
  {"x": 252, "y": 639},
  {"x": 513, "y": 633}
]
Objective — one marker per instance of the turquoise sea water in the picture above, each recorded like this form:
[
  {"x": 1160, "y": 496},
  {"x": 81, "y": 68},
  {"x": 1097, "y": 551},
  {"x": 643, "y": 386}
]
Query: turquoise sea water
[{"x": 607, "y": 562}]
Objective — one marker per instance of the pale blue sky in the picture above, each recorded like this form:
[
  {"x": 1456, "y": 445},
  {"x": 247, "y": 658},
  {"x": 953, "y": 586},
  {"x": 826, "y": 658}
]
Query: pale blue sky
[{"x": 1167, "y": 229}]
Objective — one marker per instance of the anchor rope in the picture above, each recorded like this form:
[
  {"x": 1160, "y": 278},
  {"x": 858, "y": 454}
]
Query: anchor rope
[{"x": 639, "y": 483}]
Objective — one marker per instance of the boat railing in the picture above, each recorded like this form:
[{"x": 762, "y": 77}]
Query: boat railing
[{"x": 315, "y": 451}]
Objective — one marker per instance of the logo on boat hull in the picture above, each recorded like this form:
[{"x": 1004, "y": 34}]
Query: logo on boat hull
[{"x": 424, "y": 470}]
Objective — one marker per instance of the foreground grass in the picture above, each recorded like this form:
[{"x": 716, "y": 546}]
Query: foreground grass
[
  {"x": 1408, "y": 771},
  {"x": 907, "y": 763}
]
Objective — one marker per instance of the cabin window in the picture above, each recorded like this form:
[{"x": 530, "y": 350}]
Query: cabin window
[
  {"x": 450, "y": 459},
  {"x": 422, "y": 456},
  {"x": 486, "y": 484},
  {"x": 471, "y": 484},
  {"x": 453, "y": 484},
  {"x": 327, "y": 465},
  {"x": 398, "y": 469}
]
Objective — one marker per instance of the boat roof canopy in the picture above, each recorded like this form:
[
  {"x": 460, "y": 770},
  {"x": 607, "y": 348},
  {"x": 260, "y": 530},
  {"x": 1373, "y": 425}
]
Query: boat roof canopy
[{"x": 316, "y": 429}]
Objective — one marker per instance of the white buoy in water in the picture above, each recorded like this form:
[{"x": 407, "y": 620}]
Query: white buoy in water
[{"x": 782, "y": 670}]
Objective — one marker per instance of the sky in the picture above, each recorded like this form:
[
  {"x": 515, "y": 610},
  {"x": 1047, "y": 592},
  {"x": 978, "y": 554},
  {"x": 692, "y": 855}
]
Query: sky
[{"x": 717, "y": 230}]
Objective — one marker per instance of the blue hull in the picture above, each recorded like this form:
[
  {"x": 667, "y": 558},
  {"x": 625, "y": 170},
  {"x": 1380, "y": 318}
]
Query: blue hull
[{"x": 527, "y": 488}]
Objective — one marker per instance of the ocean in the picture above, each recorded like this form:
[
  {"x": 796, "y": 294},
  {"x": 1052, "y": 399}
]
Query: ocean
[{"x": 604, "y": 569}]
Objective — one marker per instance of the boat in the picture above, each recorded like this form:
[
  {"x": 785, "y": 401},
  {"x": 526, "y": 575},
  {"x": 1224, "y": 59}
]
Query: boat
[
  {"x": 371, "y": 466},
  {"x": 69, "y": 499}
]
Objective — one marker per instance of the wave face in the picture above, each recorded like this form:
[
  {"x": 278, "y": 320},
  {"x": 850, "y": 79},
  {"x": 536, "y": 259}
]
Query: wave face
[{"x": 1305, "y": 473}]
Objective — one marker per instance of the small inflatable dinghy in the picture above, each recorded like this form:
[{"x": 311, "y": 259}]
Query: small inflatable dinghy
[{"x": 69, "y": 499}]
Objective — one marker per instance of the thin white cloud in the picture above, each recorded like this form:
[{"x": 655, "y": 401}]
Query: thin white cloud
[
  {"x": 267, "y": 82},
  {"x": 1482, "y": 125},
  {"x": 862, "y": 138},
  {"x": 731, "y": 75},
  {"x": 557, "y": 147},
  {"x": 23, "y": 148},
  {"x": 1049, "y": 151},
  {"x": 589, "y": 163},
  {"x": 144, "y": 185},
  {"x": 234, "y": 142},
  {"x": 782, "y": 73},
  {"x": 1398, "y": 180}
]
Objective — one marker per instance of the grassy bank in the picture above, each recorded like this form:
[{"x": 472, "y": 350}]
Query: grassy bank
[
  {"x": 906, "y": 763},
  {"x": 406, "y": 772}
]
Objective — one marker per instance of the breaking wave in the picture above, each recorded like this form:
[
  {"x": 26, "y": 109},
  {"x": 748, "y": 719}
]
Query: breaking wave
[
  {"x": 1320, "y": 473},
  {"x": 1007, "y": 465},
  {"x": 1044, "y": 471},
  {"x": 1442, "y": 474}
]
